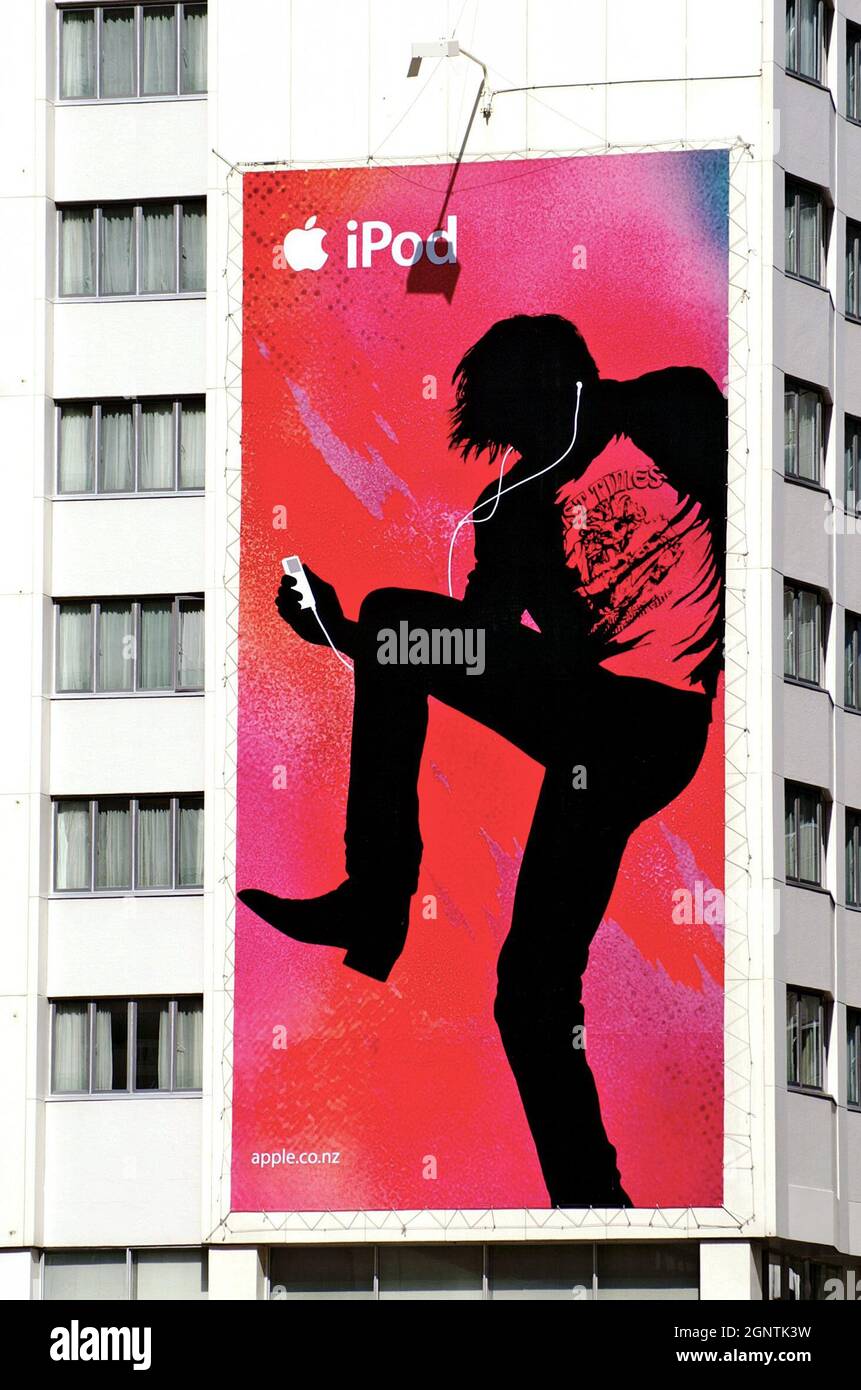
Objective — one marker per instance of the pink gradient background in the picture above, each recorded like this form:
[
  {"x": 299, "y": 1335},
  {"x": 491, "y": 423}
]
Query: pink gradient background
[{"x": 337, "y": 431}]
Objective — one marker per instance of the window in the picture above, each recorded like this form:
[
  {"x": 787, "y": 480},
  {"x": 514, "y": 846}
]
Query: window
[
  {"x": 853, "y": 72},
  {"x": 804, "y": 836},
  {"x": 654, "y": 1272},
  {"x": 145, "y": 446},
  {"x": 122, "y": 1274},
  {"x": 852, "y": 461},
  {"x": 853, "y": 858},
  {"x": 805, "y": 38},
  {"x": 852, "y": 652},
  {"x": 803, "y": 629},
  {"x": 126, "y": 52},
  {"x": 129, "y": 646},
  {"x": 471, "y": 1272},
  {"x": 109, "y": 1045},
  {"x": 804, "y": 432},
  {"x": 805, "y": 1039},
  {"x": 804, "y": 225},
  {"x": 853, "y": 1056},
  {"x": 128, "y": 844},
  {"x": 132, "y": 249},
  {"x": 853, "y": 269}
]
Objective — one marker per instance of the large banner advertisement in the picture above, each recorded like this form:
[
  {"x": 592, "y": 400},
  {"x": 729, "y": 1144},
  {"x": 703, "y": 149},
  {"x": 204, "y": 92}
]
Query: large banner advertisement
[{"x": 480, "y": 782}]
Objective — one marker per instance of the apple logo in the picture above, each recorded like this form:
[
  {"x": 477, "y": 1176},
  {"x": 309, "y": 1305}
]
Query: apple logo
[{"x": 303, "y": 247}]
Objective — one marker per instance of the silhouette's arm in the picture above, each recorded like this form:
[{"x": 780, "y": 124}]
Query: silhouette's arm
[{"x": 494, "y": 586}]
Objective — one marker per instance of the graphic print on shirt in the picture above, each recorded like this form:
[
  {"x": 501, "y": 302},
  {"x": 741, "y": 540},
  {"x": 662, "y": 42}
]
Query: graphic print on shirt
[{"x": 644, "y": 565}]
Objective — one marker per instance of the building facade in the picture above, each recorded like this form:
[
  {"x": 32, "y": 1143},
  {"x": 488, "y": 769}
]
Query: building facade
[{"x": 127, "y": 132}]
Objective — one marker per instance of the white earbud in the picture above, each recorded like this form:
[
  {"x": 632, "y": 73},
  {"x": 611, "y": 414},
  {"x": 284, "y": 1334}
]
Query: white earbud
[{"x": 501, "y": 491}]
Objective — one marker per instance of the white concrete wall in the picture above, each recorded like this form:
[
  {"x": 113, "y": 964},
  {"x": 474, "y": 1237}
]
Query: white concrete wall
[
  {"x": 815, "y": 740},
  {"x": 122, "y": 1172}
]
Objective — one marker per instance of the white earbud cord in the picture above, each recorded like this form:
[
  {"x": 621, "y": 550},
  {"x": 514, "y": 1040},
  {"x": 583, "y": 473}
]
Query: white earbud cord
[
  {"x": 501, "y": 491},
  {"x": 343, "y": 660}
]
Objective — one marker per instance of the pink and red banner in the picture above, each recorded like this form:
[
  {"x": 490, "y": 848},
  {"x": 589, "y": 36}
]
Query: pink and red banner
[{"x": 351, "y": 1094}]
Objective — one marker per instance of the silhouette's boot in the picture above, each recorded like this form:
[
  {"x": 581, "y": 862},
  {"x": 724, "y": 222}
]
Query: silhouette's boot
[{"x": 371, "y": 925}]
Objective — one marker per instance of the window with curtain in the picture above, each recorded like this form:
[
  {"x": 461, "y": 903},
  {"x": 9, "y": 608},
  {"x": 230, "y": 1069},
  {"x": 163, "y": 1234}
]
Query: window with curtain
[
  {"x": 189, "y": 657},
  {"x": 804, "y": 231},
  {"x": 155, "y": 844},
  {"x": 193, "y": 248},
  {"x": 192, "y": 434},
  {"x": 101, "y": 1046},
  {"x": 853, "y": 1056},
  {"x": 141, "y": 646},
  {"x": 853, "y": 858},
  {"x": 118, "y": 51},
  {"x": 158, "y": 645},
  {"x": 73, "y": 870},
  {"x": 805, "y": 38},
  {"x": 115, "y": 646},
  {"x": 193, "y": 51},
  {"x": 117, "y": 251},
  {"x": 803, "y": 634},
  {"x": 145, "y": 446},
  {"x": 75, "y": 449},
  {"x": 851, "y": 462},
  {"x": 74, "y": 648},
  {"x": 853, "y": 269},
  {"x": 157, "y": 446},
  {"x": 70, "y": 1056},
  {"x": 190, "y": 854},
  {"x": 804, "y": 834},
  {"x": 852, "y": 661},
  {"x": 159, "y": 49},
  {"x": 805, "y": 1039},
  {"x": 124, "y": 52},
  {"x": 116, "y": 449},
  {"x": 158, "y": 249},
  {"x": 113, "y": 845},
  {"x": 78, "y": 54},
  {"x": 77, "y": 251},
  {"x": 150, "y": 844},
  {"x": 110, "y": 1045},
  {"x": 804, "y": 432},
  {"x": 169, "y": 1045},
  {"x": 153, "y": 248},
  {"x": 853, "y": 72}
]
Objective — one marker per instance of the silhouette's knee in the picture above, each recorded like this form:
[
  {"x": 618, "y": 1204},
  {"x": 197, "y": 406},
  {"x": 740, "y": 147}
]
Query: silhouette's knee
[{"x": 382, "y": 607}]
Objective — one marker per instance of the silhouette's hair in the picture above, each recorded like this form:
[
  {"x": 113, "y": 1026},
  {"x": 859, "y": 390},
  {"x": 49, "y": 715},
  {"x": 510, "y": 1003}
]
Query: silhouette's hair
[{"x": 517, "y": 383}]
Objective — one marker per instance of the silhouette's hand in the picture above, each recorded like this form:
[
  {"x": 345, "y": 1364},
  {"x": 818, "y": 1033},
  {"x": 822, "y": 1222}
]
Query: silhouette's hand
[{"x": 302, "y": 620}]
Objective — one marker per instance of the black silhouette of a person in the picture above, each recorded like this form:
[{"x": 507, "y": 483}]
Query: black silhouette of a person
[{"x": 638, "y": 741}]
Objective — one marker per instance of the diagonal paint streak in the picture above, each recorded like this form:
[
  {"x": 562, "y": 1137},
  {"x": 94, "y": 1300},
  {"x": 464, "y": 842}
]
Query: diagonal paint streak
[
  {"x": 386, "y": 427},
  {"x": 687, "y": 863},
  {"x": 369, "y": 479}
]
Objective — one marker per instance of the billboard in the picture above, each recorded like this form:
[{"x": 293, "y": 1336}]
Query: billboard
[{"x": 480, "y": 775}]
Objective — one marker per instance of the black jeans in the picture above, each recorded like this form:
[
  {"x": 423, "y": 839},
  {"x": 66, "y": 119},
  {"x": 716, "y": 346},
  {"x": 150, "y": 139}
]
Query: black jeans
[{"x": 639, "y": 744}]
